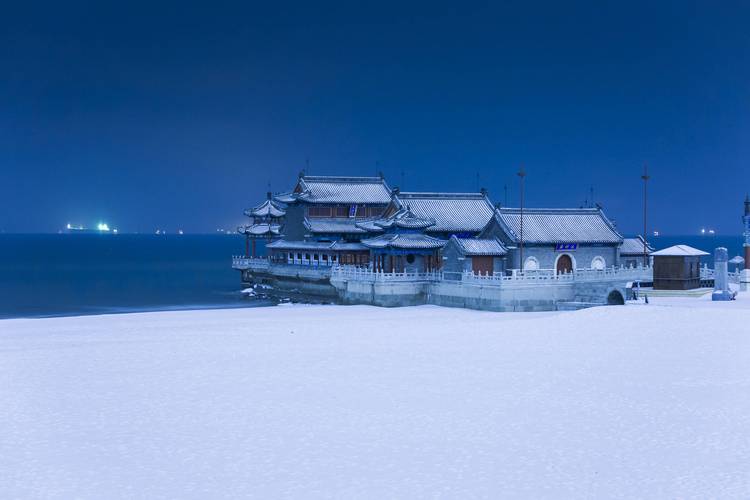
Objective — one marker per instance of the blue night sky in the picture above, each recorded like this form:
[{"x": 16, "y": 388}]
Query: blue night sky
[{"x": 180, "y": 115}]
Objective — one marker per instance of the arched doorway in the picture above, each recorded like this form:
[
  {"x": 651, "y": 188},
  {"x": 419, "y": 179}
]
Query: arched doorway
[
  {"x": 615, "y": 298},
  {"x": 564, "y": 264}
]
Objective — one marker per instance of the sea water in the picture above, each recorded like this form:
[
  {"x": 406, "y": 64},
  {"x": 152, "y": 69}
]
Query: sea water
[{"x": 72, "y": 274}]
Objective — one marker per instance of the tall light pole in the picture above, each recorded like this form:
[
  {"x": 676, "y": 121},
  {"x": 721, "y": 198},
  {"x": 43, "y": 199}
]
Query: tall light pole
[
  {"x": 521, "y": 174},
  {"x": 645, "y": 178}
]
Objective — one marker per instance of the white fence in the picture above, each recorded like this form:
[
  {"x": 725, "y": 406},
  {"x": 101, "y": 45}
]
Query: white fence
[
  {"x": 256, "y": 263},
  {"x": 542, "y": 276},
  {"x": 709, "y": 274},
  {"x": 365, "y": 274},
  {"x": 551, "y": 276}
]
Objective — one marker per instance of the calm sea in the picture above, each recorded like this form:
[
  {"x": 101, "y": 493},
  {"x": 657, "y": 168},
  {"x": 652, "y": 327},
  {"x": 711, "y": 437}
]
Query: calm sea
[
  {"x": 56, "y": 275},
  {"x": 63, "y": 274}
]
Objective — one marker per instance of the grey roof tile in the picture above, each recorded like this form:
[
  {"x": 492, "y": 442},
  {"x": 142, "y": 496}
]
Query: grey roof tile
[
  {"x": 485, "y": 246},
  {"x": 332, "y": 226},
  {"x": 452, "y": 212},
  {"x": 634, "y": 246},
  {"x": 558, "y": 225}
]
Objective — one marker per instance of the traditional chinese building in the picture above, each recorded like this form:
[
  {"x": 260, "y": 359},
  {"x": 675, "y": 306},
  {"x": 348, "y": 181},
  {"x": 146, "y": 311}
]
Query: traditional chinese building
[
  {"x": 361, "y": 225},
  {"x": 559, "y": 239},
  {"x": 266, "y": 221},
  {"x": 632, "y": 252}
]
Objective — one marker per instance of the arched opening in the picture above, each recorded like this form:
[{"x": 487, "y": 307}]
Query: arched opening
[
  {"x": 598, "y": 263},
  {"x": 564, "y": 264},
  {"x": 615, "y": 298},
  {"x": 531, "y": 264}
]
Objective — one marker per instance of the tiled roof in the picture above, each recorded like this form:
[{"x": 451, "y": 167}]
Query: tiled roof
[
  {"x": 332, "y": 226},
  {"x": 406, "y": 219},
  {"x": 259, "y": 230},
  {"x": 370, "y": 225},
  {"x": 404, "y": 242},
  {"x": 266, "y": 209},
  {"x": 315, "y": 245},
  {"x": 680, "y": 251},
  {"x": 634, "y": 246},
  {"x": 332, "y": 189},
  {"x": 452, "y": 212},
  {"x": 558, "y": 225},
  {"x": 472, "y": 246}
]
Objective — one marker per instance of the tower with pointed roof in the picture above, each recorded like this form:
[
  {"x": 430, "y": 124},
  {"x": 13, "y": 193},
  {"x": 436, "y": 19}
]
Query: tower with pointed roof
[{"x": 266, "y": 221}]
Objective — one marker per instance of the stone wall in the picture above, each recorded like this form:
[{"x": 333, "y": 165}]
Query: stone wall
[{"x": 516, "y": 297}]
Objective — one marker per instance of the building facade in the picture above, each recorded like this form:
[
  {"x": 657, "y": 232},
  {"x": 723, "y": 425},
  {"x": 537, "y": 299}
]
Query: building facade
[{"x": 361, "y": 223}]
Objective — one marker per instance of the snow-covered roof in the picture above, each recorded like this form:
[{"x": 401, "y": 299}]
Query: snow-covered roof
[
  {"x": 315, "y": 245},
  {"x": 268, "y": 208},
  {"x": 737, "y": 260},
  {"x": 485, "y": 246},
  {"x": 334, "y": 189},
  {"x": 332, "y": 226},
  {"x": 634, "y": 246},
  {"x": 452, "y": 212},
  {"x": 557, "y": 225},
  {"x": 680, "y": 251},
  {"x": 404, "y": 242},
  {"x": 260, "y": 230},
  {"x": 405, "y": 219}
]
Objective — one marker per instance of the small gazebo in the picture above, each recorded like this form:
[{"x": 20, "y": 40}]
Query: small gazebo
[
  {"x": 404, "y": 247},
  {"x": 266, "y": 221},
  {"x": 737, "y": 261}
]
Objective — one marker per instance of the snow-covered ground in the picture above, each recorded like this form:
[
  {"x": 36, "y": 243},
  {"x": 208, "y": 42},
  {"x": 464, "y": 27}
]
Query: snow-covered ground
[{"x": 349, "y": 402}]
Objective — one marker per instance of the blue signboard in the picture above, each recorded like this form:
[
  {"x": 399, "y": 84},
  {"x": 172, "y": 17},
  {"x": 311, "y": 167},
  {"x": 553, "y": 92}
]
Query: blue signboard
[
  {"x": 565, "y": 247},
  {"x": 353, "y": 211}
]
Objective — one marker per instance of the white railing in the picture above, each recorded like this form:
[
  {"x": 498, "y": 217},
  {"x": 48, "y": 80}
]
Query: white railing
[
  {"x": 551, "y": 276},
  {"x": 365, "y": 274},
  {"x": 240, "y": 262},
  {"x": 709, "y": 274}
]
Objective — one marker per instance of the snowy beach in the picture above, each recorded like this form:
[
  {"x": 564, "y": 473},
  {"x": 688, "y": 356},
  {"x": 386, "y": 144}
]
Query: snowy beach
[{"x": 363, "y": 402}]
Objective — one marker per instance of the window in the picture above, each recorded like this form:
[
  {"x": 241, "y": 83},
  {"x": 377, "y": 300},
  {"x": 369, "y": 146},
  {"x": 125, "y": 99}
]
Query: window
[
  {"x": 319, "y": 212},
  {"x": 307, "y": 256},
  {"x": 342, "y": 212},
  {"x": 325, "y": 257},
  {"x": 299, "y": 256},
  {"x": 315, "y": 256},
  {"x": 598, "y": 263}
]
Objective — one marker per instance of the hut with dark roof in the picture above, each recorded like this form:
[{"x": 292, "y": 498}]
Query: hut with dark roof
[{"x": 677, "y": 268}]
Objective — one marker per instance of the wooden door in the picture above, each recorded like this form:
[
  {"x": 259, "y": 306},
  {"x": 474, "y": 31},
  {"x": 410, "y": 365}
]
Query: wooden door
[
  {"x": 481, "y": 264},
  {"x": 564, "y": 264}
]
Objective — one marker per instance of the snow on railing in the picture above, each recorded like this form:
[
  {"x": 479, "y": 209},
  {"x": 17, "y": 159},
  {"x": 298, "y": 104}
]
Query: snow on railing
[
  {"x": 355, "y": 273},
  {"x": 551, "y": 276},
  {"x": 364, "y": 274},
  {"x": 241, "y": 262}
]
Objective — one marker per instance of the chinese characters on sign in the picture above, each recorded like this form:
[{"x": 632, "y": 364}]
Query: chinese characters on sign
[{"x": 563, "y": 247}]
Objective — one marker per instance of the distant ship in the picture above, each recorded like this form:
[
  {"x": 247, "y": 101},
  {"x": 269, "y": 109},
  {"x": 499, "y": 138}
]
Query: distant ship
[{"x": 100, "y": 228}]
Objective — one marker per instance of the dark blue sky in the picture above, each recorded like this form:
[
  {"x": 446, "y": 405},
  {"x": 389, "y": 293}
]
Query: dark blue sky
[{"x": 180, "y": 115}]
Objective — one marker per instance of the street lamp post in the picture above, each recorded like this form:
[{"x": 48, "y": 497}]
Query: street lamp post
[
  {"x": 645, "y": 178},
  {"x": 521, "y": 174}
]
